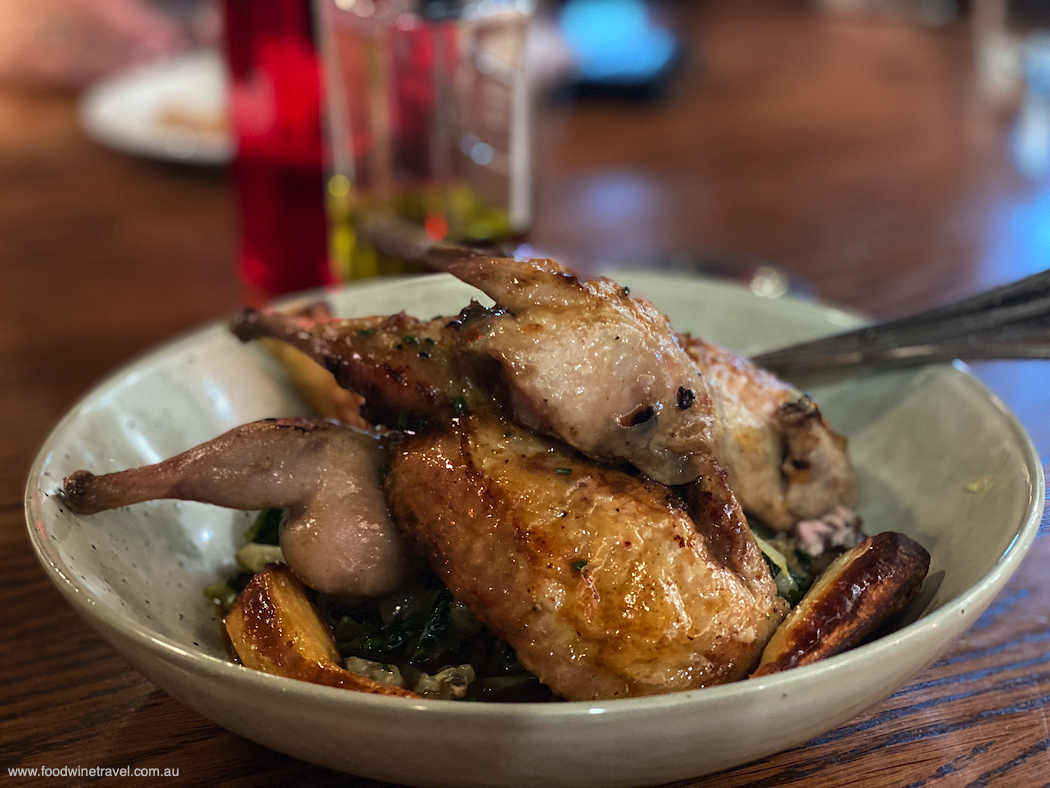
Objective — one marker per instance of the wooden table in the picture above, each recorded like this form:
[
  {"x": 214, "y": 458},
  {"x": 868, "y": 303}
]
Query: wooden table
[{"x": 856, "y": 155}]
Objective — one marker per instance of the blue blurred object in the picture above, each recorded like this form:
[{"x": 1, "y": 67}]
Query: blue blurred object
[
  {"x": 1030, "y": 140},
  {"x": 618, "y": 48}
]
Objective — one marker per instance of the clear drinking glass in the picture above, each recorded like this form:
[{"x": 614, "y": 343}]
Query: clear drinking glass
[{"x": 429, "y": 119}]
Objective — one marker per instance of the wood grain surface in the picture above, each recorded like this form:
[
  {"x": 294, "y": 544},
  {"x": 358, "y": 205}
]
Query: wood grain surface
[{"x": 856, "y": 155}]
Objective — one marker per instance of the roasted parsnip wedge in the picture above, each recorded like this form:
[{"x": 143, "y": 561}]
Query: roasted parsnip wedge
[
  {"x": 275, "y": 628},
  {"x": 863, "y": 588}
]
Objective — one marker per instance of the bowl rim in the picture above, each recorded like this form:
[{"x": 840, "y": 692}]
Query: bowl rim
[{"x": 978, "y": 594}]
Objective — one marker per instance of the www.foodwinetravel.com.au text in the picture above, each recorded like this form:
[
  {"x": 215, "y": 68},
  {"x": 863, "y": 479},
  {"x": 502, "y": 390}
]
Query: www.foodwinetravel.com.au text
[{"x": 92, "y": 771}]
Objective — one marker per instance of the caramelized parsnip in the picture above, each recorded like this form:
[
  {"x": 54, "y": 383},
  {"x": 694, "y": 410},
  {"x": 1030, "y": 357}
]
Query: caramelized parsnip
[
  {"x": 865, "y": 587},
  {"x": 275, "y": 629}
]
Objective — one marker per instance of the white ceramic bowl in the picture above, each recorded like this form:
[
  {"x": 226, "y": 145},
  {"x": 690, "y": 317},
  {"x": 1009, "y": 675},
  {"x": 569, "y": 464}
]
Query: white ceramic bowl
[{"x": 940, "y": 459}]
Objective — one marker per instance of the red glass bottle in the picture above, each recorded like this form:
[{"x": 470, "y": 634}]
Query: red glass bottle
[{"x": 279, "y": 168}]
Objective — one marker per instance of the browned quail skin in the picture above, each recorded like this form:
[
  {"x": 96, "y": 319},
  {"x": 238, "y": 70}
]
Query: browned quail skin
[
  {"x": 598, "y": 578},
  {"x": 597, "y": 367}
]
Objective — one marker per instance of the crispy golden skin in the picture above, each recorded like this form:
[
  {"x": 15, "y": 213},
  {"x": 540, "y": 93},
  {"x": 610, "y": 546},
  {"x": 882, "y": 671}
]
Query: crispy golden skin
[
  {"x": 400, "y": 365},
  {"x": 598, "y": 578},
  {"x": 585, "y": 361},
  {"x": 598, "y": 368}
]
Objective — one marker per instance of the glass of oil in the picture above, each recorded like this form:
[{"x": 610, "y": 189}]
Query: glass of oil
[{"x": 429, "y": 118}]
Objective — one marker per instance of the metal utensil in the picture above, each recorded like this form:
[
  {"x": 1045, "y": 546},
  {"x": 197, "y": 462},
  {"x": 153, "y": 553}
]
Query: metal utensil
[{"x": 1011, "y": 321}]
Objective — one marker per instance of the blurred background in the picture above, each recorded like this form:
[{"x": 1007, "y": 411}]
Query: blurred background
[
  {"x": 886, "y": 155},
  {"x": 893, "y": 139}
]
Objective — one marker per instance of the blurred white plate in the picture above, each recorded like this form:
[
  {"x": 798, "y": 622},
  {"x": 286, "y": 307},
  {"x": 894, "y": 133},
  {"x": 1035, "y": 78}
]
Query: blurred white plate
[
  {"x": 173, "y": 110},
  {"x": 939, "y": 459}
]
